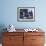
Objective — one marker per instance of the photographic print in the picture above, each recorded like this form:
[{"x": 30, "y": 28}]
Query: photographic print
[{"x": 26, "y": 14}]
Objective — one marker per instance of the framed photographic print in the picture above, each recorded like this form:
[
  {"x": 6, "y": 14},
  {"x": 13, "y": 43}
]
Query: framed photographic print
[{"x": 26, "y": 14}]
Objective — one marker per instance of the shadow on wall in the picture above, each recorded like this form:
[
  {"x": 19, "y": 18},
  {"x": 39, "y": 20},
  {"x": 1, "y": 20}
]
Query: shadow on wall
[{"x": 2, "y": 26}]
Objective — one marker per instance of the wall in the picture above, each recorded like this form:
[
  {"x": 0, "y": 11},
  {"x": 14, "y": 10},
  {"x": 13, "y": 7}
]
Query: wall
[{"x": 9, "y": 13}]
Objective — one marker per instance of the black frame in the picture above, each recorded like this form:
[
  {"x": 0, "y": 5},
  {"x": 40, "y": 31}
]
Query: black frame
[{"x": 26, "y": 14}]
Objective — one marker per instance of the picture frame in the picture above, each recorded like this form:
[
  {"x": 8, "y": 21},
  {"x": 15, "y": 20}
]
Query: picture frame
[{"x": 26, "y": 14}]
